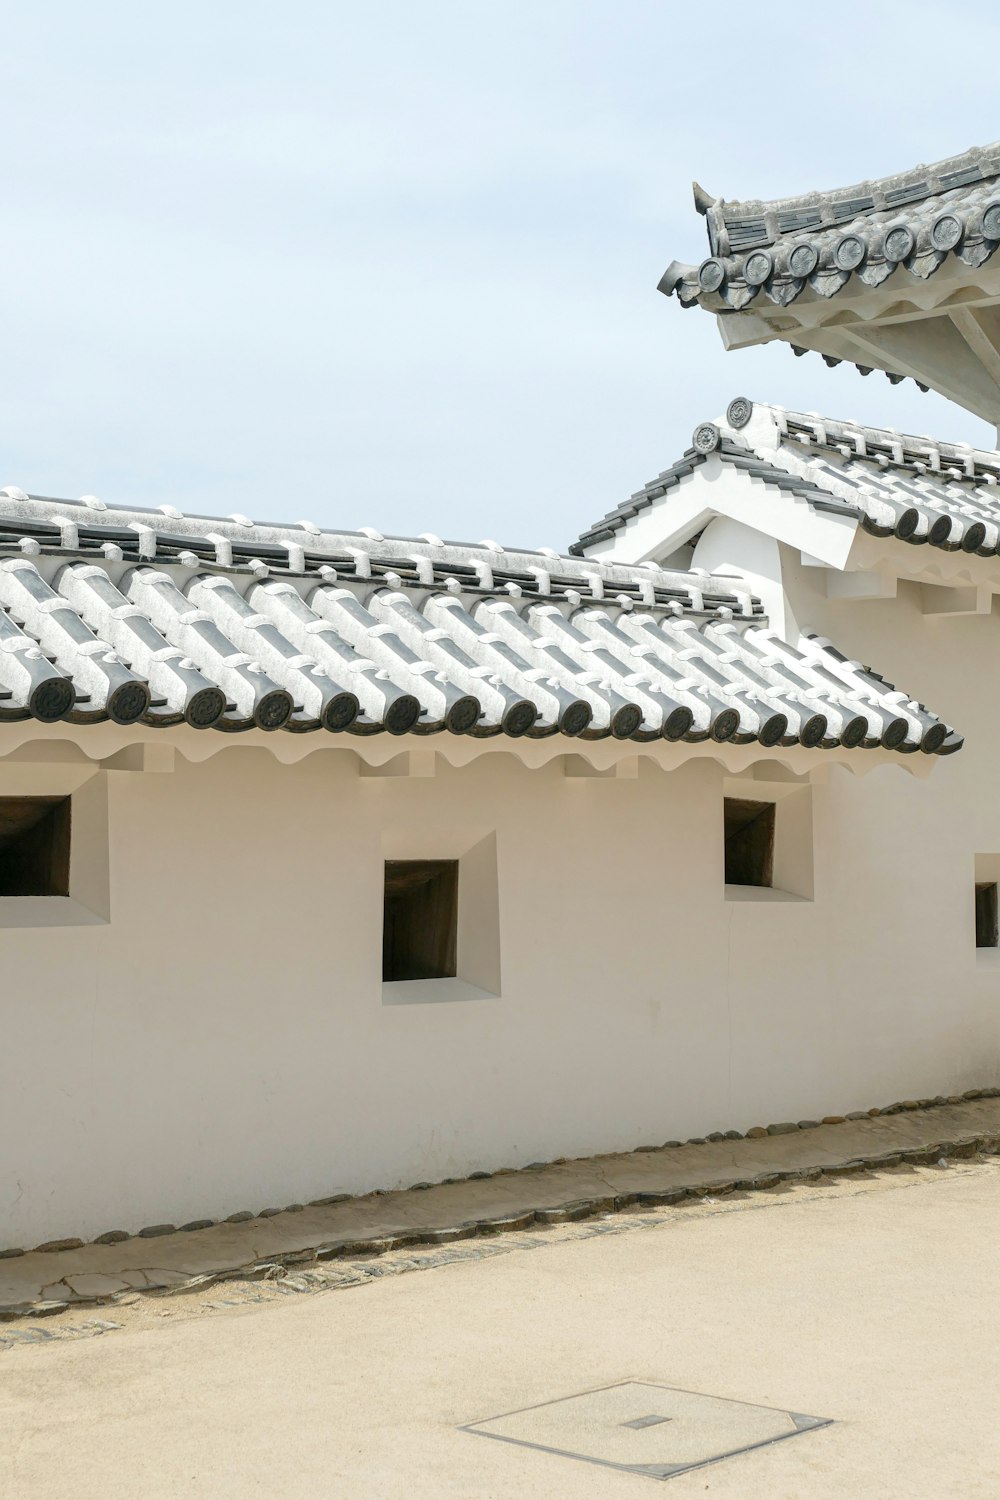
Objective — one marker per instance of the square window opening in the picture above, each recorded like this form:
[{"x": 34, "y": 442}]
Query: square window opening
[
  {"x": 34, "y": 846},
  {"x": 987, "y": 927},
  {"x": 749, "y": 838},
  {"x": 420, "y": 919}
]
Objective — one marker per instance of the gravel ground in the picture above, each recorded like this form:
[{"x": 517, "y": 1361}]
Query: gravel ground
[{"x": 867, "y": 1300}]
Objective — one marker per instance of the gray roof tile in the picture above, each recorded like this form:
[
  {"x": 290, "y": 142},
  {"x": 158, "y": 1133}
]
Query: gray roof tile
[
  {"x": 732, "y": 452},
  {"x": 776, "y": 250},
  {"x": 920, "y": 489}
]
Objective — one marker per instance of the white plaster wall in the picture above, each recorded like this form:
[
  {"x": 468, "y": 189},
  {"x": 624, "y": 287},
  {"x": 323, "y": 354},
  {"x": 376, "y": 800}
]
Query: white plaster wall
[{"x": 222, "y": 1043}]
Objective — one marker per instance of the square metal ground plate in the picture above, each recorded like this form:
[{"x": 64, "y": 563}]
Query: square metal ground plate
[{"x": 644, "y": 1428}]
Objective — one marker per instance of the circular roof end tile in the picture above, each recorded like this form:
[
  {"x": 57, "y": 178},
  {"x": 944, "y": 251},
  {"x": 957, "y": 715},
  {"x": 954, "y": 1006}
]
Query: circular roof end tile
[
  {"x": 907, "y": 523},
  {"x": 576, "y": 718},
  {"x": 519, "y": 718},
  {"x": 813, "y": 731},
  {"x": 463, "y": 714},
  {"x": 402, "y": 713},
  {"x": 934, "y": 739},
  {"x": 711, "y": 274},
  {"x": 677, "y": 723},
  {"x": 205, "y": 708},
  {"x": 128, "y": 702},
  {"x": 739, "y": 411},
  {"x": 803, "y": 260},
  {"x": 974, "y": 537},
  {"x": 991, "y": 221},
  {"x": 626, "y": 721},
  {"x": 725, "y": 724},
  {"x": 849, "y": 252},
  {"x": 772, "y": 729},
  {"x": 758, "y": 267},
  {"x": 706, "y": 437},
  {"x": 894, "y": 734},
  {"x": 854, "y": 731},
  {"x": 273, "y": 710},
  {"x": 947, "y": 232},
  {"x": 899, "y": 243},
  {"x": 52, "y": 700},
  {"x": 341, "y": 712}
]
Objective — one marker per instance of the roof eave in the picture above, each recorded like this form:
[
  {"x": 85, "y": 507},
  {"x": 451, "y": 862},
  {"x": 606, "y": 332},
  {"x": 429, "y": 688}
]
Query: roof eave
[
  {"x": 139, "y": 748},
  {"x": 943, "y": 332}
]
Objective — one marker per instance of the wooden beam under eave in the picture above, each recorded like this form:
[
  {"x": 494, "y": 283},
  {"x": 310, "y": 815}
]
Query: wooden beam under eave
[
  {"x": 421, "y": 761},
  {"x": 980, "y": 328},
  {"x": 938, "y": 599},
  {"x": 867, "y": 584},
  {"x": 932, "y": 351},
  {"x": 577, "y": 768},
  {"x": 148, "y": 756},
  {"x": 837, "y": 343}
]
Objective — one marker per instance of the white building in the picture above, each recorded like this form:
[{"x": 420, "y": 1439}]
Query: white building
[{"x": 332, "y": 862}]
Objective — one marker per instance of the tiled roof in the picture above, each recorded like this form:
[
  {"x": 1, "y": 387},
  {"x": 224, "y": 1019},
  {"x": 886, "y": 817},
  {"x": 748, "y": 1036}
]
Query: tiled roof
[
  {"x": 734, "y": 453},
  {"x": 158, "y": 618},
  {"x": 919, "y": 489},
  {"x": 915, "y": 220}
]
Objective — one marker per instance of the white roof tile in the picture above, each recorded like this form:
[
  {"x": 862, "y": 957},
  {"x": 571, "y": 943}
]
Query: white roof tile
[
  {"x": 922, "y": 490},
  {"x": 227, "y": 624}
]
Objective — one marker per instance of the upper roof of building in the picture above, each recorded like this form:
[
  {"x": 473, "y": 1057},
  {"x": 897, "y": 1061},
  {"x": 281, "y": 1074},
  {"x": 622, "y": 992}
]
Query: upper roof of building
[
  {"x": 154, "y": 617},
  {"x": 775, "y": 265},
  {"x": 918, "y": 489},
  {"x": 915, "y": 219}
]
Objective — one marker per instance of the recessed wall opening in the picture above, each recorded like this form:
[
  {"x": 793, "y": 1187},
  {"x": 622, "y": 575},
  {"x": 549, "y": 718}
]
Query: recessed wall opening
[
  {"x": 987, "y": 931},
  {"x": 749, "y": 836},
  {"x": 420, "y": 921},
  {"x": 34, "y": 846}
]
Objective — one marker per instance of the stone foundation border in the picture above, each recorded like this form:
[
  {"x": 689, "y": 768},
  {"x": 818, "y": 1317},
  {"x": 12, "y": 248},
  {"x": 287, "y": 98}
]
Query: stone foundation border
[{"x": 66, "y": 1272}]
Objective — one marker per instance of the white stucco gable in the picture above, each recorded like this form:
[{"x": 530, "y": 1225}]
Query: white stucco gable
[
  {"x": 720, "y": 487},
  {"x": 869, "y": 506}
]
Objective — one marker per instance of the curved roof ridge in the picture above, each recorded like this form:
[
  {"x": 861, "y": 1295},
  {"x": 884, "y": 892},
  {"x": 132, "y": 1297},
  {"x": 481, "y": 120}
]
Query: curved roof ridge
[
  {"x": 864, "y": 245},
  {"x": 88, "y": 528},
  {"x": 894, "y": 190},
  {"x": 842, "y": 426},
  {"x": 919, "y": 488}
]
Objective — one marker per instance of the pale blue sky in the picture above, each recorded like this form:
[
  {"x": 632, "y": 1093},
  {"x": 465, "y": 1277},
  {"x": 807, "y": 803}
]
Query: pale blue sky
[{"x": 395, "y": 264}]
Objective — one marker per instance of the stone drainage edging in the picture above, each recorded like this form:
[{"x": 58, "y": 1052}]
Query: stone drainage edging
[
  {"x": 244, "y": 1216},
  {"x": 79, "y": 1287}
]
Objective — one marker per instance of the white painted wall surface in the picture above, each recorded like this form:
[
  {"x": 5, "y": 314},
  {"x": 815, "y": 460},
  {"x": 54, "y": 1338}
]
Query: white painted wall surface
[{"x": 222, "y": 1043}]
